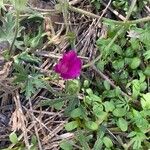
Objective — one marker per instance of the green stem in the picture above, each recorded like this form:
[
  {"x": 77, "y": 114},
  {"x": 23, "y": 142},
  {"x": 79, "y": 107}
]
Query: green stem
[
  {"x": 16, "y": 32},
  {"x": 81, "y": 11},
  {"x": 131, "y": 9}
]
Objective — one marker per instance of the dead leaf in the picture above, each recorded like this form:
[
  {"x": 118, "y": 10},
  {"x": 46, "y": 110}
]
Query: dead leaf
[{"x": 5, "y": 70}]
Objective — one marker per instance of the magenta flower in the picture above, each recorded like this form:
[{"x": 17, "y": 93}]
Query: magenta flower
[{"x": 69, "y": 66}]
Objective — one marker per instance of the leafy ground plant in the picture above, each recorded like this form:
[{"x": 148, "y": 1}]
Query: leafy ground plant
[{"x": 74, "y": 75}]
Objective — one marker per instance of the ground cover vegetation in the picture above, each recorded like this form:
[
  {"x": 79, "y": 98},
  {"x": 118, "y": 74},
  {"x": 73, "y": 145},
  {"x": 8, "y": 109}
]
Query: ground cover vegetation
[{"x": 75, "y": 74}]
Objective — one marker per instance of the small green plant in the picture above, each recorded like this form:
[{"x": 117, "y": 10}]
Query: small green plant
[
  {"x": 96, "y": 3},
  {"x": 14, "y": 139}
]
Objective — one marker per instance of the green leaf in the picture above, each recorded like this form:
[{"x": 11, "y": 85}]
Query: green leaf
[
  {"x": 91, "y": 125},
  {"x": 95, "y": 98},
  {"x": 7, "y": 31},
  {"x": 89, "y": 91},
  {"x": 86, "y": 84},
  {"x": 119, "y": 112},
  {"x": 147, "y": 71},
  {"x": 2, "y": 5},
  {"x": 135, "y": 88},
  {"x": 71, "y": 106},
  {"x": 100, "y": 134},
  {"x": 129, "y": 53},
  {"x": 109, "y": 106},
  {"x": 71, "y": 37},
  {"x": 102, "y": 44},
  {"x": 98, "y": 144},
  {"x": 147, "y": 55},
  {"x": 107, "y": 141},
  {"x": 139, "y": 120},
  {"x": 28, "y": 79},
  {"x": 58, "y": 105},
  {"x": 122, "y": 124},
  {"x": 72, "y": 86},
  {"x": 142, "y": 76},
  {"x": 71, "y": 125},
  {"x": 29, "y": 89},
  {"x": 100, "y": 65},
  {"x": 137, "y": 139},
  {"x": 83, "y": 140},
  {"x": 13, "y": 138},
  {"x": 106, "y": 85},
  {"x": 118, "y": 64},
  {"x": 96, "y": 3},
  {"x": 19, "y": 5},
  {"x": 135, "y": 63},
  {"x": 145, "y": 101},
  {"x": 34, "y": 140},
  {"x": 24, "y": 56},
  {"x": 144, "y": 35},
  {"x": 97, "y": 108},
  {"x": 135, "y": 44},
  {"x": 78, "y": 112},
  {"x": 66, "y": 145},
  {"x": 101, "y": 117},
  {"x": 36, "y": 41}
]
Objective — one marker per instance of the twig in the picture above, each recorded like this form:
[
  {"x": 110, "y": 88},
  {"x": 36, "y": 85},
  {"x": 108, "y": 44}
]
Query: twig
[
  {"x": 74, "y": 2},
  {"x": 104, "y": 11},
  {"x": 35, "y": 127},
  {"x": 42, "y": 10}
]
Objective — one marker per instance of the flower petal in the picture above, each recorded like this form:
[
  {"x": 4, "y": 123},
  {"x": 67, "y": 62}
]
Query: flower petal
[
  {"x": 69, "y": 66},
  {"x": 75, "y": 68}
]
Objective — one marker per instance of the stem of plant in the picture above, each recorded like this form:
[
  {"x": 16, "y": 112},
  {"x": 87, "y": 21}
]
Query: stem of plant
[
  {"x": 81, "y": 11},
  {"x": 16, "y": 32}
]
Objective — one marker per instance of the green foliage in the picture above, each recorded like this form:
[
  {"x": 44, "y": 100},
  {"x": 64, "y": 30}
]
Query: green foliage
[
  {"x": 26, "y": 57},
  {"x": 29, "y": 80},
  {"x": 13, "y": 138},
  {"x": 19, "y": 5},
  {"x": 124, "y": 62},
  {"x": 107, "y": 141},
  {"x": 18, "y": 145},
  {"x": 124, "y": 4},
  {"x": 73, "y": 86},
  {"x": 83, "y": 140},
  {"x": 122, "y": 124},
  {"x": 91, "y": 125},
  {"x": 66, "y": 145},
  {"x": 145, "y": 101},
  {"x": 137, "y": 138},
  {"x": 7, "y": 31},
  {"x": 96, "y": 109},
  {"x": 119, "y": 112},
  {"x": 34, "y": 41},
  {"x": 71, "y": 125},
  {"x": 96, "y": 3},
  {"x": 135, "y": 63}
]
